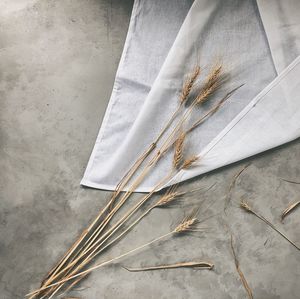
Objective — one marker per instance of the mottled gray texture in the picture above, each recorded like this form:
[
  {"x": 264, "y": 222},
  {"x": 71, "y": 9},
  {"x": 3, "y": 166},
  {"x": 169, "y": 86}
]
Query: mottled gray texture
[{"x": 58, "y": 60}]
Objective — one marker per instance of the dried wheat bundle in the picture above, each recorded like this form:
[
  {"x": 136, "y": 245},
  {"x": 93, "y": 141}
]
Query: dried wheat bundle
[
  {"x": 188, "y": 224},
  {"x": 103, "y": 232}
]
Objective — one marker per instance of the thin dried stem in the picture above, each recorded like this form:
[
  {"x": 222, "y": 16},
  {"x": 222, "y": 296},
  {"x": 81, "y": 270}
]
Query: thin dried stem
[
  {"x": 249, "y": 209},
  {"x": 291, "y": 182},
  {"x": 195, "y": 265},
  {"x": 289, "y": 209},
  {"x": 75, "y": 282},
  {"x": 232, "y": 184},
  {"x": 238, "y": 269}
]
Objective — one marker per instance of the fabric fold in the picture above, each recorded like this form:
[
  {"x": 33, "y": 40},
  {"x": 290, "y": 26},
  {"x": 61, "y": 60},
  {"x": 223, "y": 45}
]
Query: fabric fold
[
  {"x": 233, "y": 31},
  {"x": 281, "y": 20},
  {"x": 272, "y": 118},
  {"x": 139, "y": 66}
]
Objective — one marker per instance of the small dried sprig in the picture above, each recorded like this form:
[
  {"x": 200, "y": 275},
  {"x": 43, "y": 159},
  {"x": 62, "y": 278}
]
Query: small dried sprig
[
  {"x": 238, "y": 269},
  {"x": 188, "y": 163},
  {"x": 178, "y": 151},
  {"x": 195, "y": 265},
  {"x": 188, "y": 224},
  {"x": 172, "y": 196},
  {"x": 212, "y": 83},
  {"x": 249, "y": 209},
  {"x": 291, "y": 182},
  {"x": 188, "y": 84},
  {"x": 289, "y": 209},
  {"x": 246, "y": 206},
  {"x": 167, "y": 199},
  {"x": 232, "y": 184}
]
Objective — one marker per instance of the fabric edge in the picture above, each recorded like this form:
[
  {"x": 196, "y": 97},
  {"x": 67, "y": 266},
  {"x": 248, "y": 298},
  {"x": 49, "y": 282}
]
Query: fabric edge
[{"x": 111, "y": 101}]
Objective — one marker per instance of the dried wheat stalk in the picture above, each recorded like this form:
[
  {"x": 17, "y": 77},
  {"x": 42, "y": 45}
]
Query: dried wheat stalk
[
  {"x": 249, "y": 209},
  {"x": 289, "y": 209},
  {"x": 194, "y": 265},
  {"x": 232, "y": 184},
  {"x": 238, "y": 269},
  {"x": 290, "y": 181}
]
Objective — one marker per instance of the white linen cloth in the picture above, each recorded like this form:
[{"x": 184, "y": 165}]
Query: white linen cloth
[{"x": 165, "y": 40}]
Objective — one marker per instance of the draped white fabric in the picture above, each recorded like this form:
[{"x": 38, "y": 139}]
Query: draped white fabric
[{"x": 254, "y": 40}]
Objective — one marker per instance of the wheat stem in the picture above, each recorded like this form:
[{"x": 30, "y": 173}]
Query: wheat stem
[
  {"x": 249, "y": 209},
  {"x": 289, "y": 209},
  {"x": 238, "y": 269},
  {"x": 199, "y": 265},
  {"x": 232, "y": 184}
]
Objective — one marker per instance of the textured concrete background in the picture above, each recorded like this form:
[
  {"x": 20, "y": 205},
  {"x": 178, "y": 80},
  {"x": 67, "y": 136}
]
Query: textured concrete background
[{"x": 57, "y": 65}]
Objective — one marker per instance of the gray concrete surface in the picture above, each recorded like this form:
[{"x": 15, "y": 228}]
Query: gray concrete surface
[{"x": 57, "y": 65}]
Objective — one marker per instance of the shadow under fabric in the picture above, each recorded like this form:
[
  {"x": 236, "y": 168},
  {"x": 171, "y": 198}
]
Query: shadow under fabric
[{"x": 256, "y": 41}]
